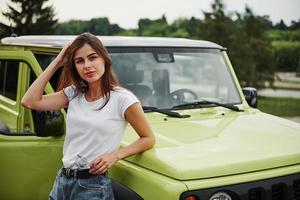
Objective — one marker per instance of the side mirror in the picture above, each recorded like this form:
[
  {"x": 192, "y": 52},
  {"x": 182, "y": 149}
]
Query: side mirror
[
  {"x": 251, "y": 96},
  {"x": 48, "y": 123}
]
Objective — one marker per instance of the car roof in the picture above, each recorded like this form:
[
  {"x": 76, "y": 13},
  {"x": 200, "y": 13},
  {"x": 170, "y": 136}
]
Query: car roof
[{"x": 59, "y": 41}]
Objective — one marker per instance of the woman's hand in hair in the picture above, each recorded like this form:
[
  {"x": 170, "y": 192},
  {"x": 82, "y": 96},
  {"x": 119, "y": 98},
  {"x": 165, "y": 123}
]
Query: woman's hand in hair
[
  {"x": 104, "y": 162},
  {"x": 61, "y": 57}
]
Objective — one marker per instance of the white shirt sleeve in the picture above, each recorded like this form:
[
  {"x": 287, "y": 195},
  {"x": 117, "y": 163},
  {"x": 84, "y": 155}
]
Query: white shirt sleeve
[
  {"x": 126, "y": 100},
  {"x": 70, "y": 92}
]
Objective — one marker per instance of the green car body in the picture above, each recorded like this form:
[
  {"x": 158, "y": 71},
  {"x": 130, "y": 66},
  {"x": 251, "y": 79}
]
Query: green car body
[{"x": 244, "y": 154}]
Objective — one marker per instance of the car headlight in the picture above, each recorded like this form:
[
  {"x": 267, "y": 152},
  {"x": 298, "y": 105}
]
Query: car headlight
[{"x": 220, "y": 196}]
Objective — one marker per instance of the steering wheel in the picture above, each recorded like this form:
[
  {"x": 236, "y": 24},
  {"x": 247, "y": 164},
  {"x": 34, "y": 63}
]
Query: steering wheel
[{"x": 179, "y": 95}]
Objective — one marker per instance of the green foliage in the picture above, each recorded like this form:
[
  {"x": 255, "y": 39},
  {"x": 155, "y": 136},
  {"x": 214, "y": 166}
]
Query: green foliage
[
  {"x": 295, "y": 25},
  {"x": 249, "y": 48},
  {"x": 217, "y": 26},
  {"x": 31, "y": 17},
  {"x": 71, "y": 27},
  {"x": 253, "y": 64},
  {"x": 281, "y": 26},
  {"x": 97, "y": 26},
  {"x": 279, "y": 35},
  {"x": 4, "y": 31},
  {"x": 152, "y": 27},
  {"x": 159, "y": 28},
  {"x": 286, "y": 46},
  {"x": 186, "y": 27},
  {"x": 287, "y": 55},
  {"x": 280, "y": 106},
  {"x": 129, "y": 32}
]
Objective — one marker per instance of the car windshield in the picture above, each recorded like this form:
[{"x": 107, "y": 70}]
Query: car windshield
[
  {"x": 168, "y": 77},
  {"x": 165, "y": 78}
]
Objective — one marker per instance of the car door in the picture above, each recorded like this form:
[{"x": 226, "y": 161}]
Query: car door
[{"x": 29, "y": 162}]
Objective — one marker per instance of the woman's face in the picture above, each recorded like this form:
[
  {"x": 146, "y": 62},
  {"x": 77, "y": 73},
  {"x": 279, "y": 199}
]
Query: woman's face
[{"x": 89, "y": 65}]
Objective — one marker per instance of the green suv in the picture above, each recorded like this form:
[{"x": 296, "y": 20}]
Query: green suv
[{"x": 212, "y": 143}]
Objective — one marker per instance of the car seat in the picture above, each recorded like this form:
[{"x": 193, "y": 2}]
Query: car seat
[
  {"x": 161, "y": 89},
  {"x": 132, "y": 79}
]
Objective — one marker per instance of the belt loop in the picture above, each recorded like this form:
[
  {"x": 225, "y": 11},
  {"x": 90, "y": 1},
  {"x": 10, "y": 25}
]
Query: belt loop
[
  {"x": 68, "y": 172},
  {"x": 75, "y": 173}
]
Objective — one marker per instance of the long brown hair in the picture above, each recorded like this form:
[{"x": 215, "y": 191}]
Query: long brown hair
[{"x": 70, "y": 75}]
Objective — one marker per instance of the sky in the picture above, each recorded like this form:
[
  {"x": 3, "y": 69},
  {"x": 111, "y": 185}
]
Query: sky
[{"x": 126, "y": 13}]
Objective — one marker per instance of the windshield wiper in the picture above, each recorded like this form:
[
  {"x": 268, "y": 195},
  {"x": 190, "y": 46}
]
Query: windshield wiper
[
  {"x": 165, "y": 111},
  {"x": 202, "y": 103}
]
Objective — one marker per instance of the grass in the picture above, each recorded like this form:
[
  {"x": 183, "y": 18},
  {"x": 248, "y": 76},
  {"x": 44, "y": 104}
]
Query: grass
[{"x": 280, "y": 106}]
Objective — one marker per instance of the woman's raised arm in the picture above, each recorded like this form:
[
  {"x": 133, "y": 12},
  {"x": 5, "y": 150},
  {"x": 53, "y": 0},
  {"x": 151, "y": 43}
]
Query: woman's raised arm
[{"x": 34, "y": 98}]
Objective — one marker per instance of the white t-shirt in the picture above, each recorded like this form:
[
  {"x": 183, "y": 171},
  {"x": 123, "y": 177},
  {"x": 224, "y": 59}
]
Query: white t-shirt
[{"x": 91, "y": 132}]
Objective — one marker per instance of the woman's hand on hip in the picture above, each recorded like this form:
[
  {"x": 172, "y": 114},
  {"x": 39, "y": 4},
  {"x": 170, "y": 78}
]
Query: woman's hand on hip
[{"x": 101, "y": 164}]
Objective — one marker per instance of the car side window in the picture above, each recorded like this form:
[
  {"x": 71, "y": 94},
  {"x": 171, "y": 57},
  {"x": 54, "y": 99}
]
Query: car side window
[
  {"x": 9, "y": 71},
  {"x": 49, "y": 123},
  {"x": 44, "y": 60}
]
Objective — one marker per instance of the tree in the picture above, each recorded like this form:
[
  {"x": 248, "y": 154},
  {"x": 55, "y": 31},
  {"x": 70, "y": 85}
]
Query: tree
[
  {"x": 72, "y": 27},
  {"x": 158, "y": 27},
  {"x": 217, "y": 26},
  {"x": 31, "y": 17},
  {"x": 161, "y": 28},
  {"x": 4, "y": 30},
  {"x": 245, "y": 38},
  {"x": 186, "y": 27},
  {"x": 252, "y": 50},
  {"x": 295, "y": 25},
  {"x": 97, "y": 26},
  {"x": 102, "y": 26},
  {"x": 281, "y": 26}
]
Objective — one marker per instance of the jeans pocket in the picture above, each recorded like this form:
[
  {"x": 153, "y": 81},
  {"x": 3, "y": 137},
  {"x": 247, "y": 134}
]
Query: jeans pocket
[
  {"x": 54, "y": 193},
  {"x": 97, "y": 182}
]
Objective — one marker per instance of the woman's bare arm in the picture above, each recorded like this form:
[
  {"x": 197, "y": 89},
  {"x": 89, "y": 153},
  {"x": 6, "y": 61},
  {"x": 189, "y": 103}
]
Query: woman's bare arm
[
  {"x": 137, "y": 119},
  {"x": 34, "y": 98}
]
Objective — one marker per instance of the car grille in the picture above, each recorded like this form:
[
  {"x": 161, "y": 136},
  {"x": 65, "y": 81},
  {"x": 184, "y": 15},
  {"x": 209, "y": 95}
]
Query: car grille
[{"x": 279, "y": 188}]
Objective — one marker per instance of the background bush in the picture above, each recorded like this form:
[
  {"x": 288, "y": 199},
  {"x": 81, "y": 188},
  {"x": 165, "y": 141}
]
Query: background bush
[{"x": 286, "y": 55}]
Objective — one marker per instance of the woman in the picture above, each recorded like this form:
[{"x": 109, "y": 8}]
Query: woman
[{"x": 98, "y": 111}]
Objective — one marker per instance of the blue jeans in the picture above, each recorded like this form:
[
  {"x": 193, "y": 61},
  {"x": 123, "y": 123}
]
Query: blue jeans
[{"x": 97, "y": 187}]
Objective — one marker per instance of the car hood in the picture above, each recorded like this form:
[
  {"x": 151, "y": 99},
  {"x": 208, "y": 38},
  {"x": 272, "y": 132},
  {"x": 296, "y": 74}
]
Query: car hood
[{"x": 196, "y": 148}]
